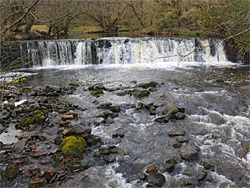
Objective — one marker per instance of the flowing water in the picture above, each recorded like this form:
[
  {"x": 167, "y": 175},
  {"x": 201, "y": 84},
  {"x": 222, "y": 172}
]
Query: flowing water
[{"x": 193, "y": 73}]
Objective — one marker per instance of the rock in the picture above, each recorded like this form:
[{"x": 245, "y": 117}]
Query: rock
[
  {"x": 58, "y": 140},
  {"x": 97, "y": 92},
  {"x": 49, "y": 172},
  {"x": 182, "y": 139},
  {"x": 39, "y": 182},
  {"x": 189, "y": 171},
  {"x": 74, "y": 165},
  {"x": 201, "y": 175},
  {"x": 110, "y": 158},
  {"x": 180, "y": 116},
  {"x": 152, "y": 169},
  {"x": 79, "y": 130},
  {"x": 169, "y": 166},
  {"x": 67, "y": 117},
  {"x": 142, "y": 176},
  {"x": 39, "y": 116},
  {"x": 73, "y": 146},
  {"x": 162, "y": 119},
  {"x": 207, "y": 164},
  {"x": 52, "y": 89},
  {"x": 27, "y": 121},
  {"x": 97, "y": 121},
  {"x": 176, "y": 133},
  {"x": 93, "y": 140},
  {"x": 18, "y": 147},
  {"x": 141, "y": 93},
  {"x": 43, "y": 100},
  {"x": 191, "y": 181},
  {"x": 115, "y": 108},
  {"x": 107, "y": 150},
  {"x": 96, "y": 87},
  {"x": 11, "y": 172},
  {"x": 104, "y": 105},
  {"x": 170, "y": 110},
  {"x": 156, "y": 179},
  {"x": 189, "y": 153}
]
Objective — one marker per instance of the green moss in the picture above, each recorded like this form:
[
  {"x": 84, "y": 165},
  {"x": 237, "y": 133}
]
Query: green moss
[
  {"x": 97, "y": 92},
  {"x": 19, "y": 80},
  {"x": 74, "y": 84},
  {"x": 73, "y": 146},
  {"x": 11, "y": 172},
  {"x": 27, "y": 121},
  {"x": 39, "y": 116}
]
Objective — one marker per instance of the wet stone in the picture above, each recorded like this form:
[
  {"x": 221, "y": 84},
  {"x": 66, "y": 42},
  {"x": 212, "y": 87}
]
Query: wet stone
[
  {"x": 162, "y": 119},
  {"x": 110, "y": 158},
  {"x": 169, "y": 165},
  {"x": 207, "y": 164},
  {"x": 67, "y": 117},
  {"x": 201, "y": 175},
  {"x": 18, "y": 147},
  {"x": 189, "y": 153},
  {"x": 142, "y": 176},
  {"x": 115, "y": 109},
  {"x": 104, "y": 105},
  {"x": 43, "y": 100},
  {"x": 176, "y": 133},
  {"x": 40, "y": 182},
  {"x": 156, "y": 179},
  {"x": 141, "y": 93},
  {"x": 182, "y": 139},
  {"x": 152, "y": 169}
]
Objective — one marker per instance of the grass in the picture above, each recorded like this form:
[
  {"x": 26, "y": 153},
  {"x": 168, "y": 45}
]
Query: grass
[
  {"x": 86, "y": 29},
  {"x": 41, "y": 28}
]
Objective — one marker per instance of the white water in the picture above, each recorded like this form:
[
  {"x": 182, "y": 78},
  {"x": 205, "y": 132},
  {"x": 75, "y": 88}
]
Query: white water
[{"x": 146, "y": 52}]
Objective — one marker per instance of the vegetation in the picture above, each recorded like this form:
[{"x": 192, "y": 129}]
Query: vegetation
[{"x": 29, "y": 19}]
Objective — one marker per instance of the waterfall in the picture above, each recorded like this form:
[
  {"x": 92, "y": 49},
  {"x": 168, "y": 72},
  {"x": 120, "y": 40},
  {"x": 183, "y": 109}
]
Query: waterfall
[{"x": 122, "y": 51}]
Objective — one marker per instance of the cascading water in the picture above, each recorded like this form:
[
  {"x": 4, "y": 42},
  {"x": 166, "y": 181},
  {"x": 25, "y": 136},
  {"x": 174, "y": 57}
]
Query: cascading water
[{"x": 122, "y": 51}]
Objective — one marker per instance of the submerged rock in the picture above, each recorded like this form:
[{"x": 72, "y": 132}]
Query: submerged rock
[
  {"x": 141, "y": 93},
  {"x": 73, "y": 146},
  {"x": 39, "y": 182},
  {"x": 11, "y": 172},
  {"x": 189, "y": 153},
  {"x": 156, "y": 179}
]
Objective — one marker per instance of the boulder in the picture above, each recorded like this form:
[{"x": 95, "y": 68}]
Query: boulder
[
  {"x": 73, "y": 146},
  {"x": 189, "y": 153},
  {"x": 141, "y": 93},
  {"x": 156, "y": 179}
]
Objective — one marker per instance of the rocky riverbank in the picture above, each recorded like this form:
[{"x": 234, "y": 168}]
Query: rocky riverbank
[{"x": 55, "y": 144}]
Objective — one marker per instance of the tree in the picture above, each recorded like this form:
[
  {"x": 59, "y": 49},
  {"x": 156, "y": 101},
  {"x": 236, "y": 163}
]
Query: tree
[{"x": 106, "y": 13}]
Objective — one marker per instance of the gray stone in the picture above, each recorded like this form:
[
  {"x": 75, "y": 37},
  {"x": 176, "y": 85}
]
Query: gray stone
[
  {"x": 141, "y": 93},
  {"x": 156, "y": 179},
  {"x": 18, "y": 147},
  {"x": 189, "y": 153},
  {"x": 176, "y": 133}
]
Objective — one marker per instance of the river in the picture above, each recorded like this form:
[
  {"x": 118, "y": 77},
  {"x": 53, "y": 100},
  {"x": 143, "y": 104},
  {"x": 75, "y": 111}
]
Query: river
[{"x": 192, "y": 73}]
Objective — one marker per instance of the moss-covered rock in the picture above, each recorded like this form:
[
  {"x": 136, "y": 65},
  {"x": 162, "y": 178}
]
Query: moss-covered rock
[
  {"x": 73, "y": 146},
  {"x": 39, "y": 116},
  {"x": 97, "y": 92},
  {"x": 27, "y": 121},
  {"x": 170, "y": 110},
  {"x": 11, "y": 172}
]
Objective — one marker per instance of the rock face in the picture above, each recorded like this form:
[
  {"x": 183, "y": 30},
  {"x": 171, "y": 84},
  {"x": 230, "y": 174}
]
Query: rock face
[
  {"x": 189, "y": 153},
  {"x": 73, "y": 146}
]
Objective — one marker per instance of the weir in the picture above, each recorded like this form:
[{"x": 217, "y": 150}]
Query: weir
[{"x": 52, "y": 53}]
